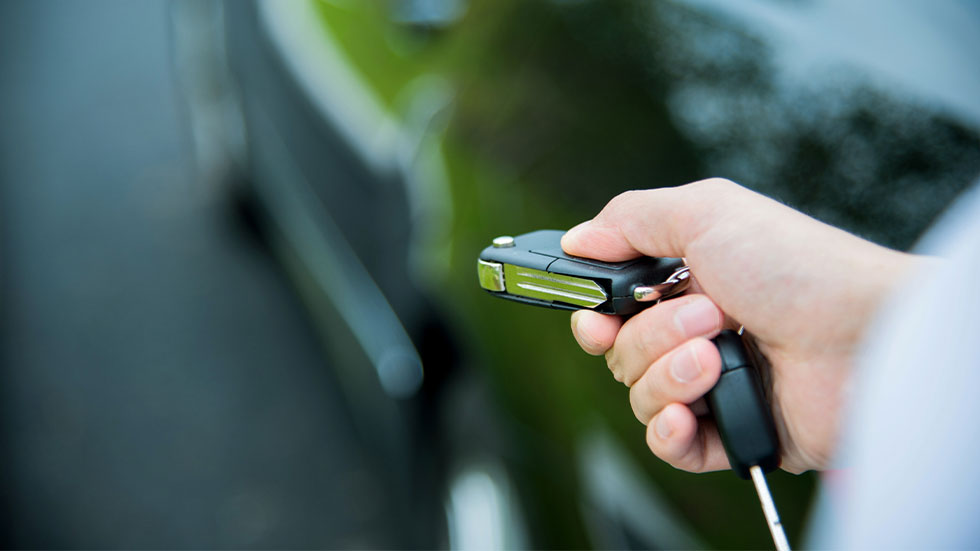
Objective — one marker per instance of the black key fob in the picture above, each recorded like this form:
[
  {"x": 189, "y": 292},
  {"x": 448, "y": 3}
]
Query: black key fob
[
  {"x": 533, "y": 269},
  {"x": 740, "y": 409}
]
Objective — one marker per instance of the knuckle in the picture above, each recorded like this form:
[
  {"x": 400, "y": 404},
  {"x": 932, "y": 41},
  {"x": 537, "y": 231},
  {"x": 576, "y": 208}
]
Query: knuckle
[
  {"x": 629, "y": 378},
  {"x": 715, "y": 188},
  {"x": 616, "y": 373},
  {"x": 615, "y": 365},
  {"x": 622, "y": 357},
  {"x": 627, "y": 197},
  {"x": 639, "y": 397},
  {"x": 717, "y": 184},
  {"x": 624, "y": 202}
]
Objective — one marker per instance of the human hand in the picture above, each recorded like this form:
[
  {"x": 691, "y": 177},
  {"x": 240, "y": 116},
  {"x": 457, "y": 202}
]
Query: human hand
[{"x": 804, "y": 290}]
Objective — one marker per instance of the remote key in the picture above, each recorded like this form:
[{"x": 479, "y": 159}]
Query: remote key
[{"x": 533, "y": 269}]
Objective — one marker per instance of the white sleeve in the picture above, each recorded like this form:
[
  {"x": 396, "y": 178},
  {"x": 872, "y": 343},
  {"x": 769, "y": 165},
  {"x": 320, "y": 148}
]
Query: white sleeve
[{"x": 910, "y": 454}]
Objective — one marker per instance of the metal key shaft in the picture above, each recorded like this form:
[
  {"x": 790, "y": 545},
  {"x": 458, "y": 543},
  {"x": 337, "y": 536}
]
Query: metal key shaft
[{"x": 769, "y": 509}]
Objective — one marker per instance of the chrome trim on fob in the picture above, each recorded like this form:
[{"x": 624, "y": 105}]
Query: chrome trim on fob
[
  {"x": 676, "y": 283},
  {"x": 491, "y": 275}
]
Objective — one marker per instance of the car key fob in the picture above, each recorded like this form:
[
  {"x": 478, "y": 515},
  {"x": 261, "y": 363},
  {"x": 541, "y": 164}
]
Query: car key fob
[
  {"x": 533, "y": 269},
  {"x": 742, "y": 414}
]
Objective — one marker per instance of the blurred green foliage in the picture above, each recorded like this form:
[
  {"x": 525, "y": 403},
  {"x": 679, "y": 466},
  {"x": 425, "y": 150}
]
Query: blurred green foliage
[{"x": 561, "y": 105}]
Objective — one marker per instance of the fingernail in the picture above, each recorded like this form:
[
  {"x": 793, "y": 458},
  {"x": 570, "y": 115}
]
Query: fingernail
[
  {"x": 662, "y": 427},
  {"x": 698, "y": 317},
  {"x": 583, "y": 338},
  {"x": 685, "y": 366}
]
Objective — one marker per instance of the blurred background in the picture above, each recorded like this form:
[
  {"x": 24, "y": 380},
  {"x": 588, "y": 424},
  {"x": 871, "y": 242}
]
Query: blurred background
[{"x": 237, "y": 245}]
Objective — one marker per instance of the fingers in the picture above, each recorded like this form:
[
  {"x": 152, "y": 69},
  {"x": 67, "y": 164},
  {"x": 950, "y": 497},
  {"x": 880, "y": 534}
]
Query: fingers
[
  {"x": 595, "y": 332},
  {"x": 658, "y": 222},
  {"x": 656, "y": 331},
  {"x": 682, "y": 376},
  {"x": 686, "y": 442}
]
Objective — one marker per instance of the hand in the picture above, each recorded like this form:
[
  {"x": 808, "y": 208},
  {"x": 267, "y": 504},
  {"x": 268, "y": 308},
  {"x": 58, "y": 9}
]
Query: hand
[{"x": 804, "y": 290}]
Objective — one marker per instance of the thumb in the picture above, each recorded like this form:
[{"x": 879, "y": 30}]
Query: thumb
[{"x": 656, "y": 222}]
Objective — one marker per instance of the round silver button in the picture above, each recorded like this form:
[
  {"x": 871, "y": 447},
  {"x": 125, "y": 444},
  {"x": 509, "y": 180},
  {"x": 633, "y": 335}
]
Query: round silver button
[{"x": 503, "y": 241}]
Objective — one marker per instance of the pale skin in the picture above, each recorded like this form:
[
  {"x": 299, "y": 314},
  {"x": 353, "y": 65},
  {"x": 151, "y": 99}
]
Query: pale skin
[{"x": 805, "y": 291}]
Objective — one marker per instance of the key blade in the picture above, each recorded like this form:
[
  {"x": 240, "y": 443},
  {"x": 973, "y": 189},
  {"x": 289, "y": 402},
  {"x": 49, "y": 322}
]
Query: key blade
[
  {"x": 769, "y": 509},
  {"x": 531, "y": 283}
]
